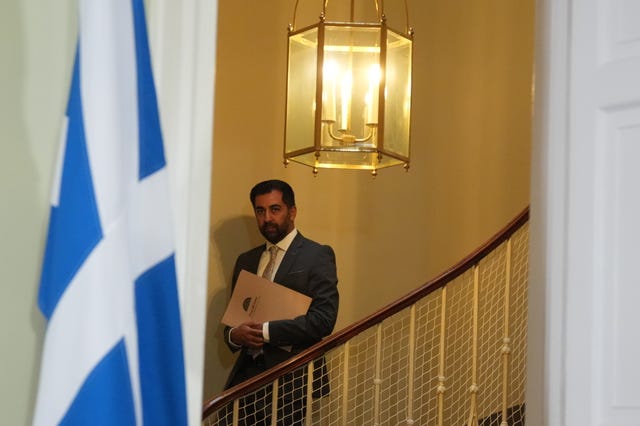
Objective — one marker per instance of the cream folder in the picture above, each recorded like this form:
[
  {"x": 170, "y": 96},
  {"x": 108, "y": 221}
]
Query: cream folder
[{"x": 257, "y": 299}]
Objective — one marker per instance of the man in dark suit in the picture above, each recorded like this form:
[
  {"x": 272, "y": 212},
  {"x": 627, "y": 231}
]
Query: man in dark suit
[{"x": 294, "y": 261}]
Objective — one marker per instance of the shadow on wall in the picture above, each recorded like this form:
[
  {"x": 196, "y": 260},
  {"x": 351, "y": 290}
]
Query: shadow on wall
[{"x": 228, "y": 240}]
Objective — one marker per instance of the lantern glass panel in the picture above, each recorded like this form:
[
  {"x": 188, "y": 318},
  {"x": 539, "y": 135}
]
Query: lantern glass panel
[
  {"x": 301, "y": 90},
  {"x": 350, "y": 82},
  {"x": 397, "y": 95}
]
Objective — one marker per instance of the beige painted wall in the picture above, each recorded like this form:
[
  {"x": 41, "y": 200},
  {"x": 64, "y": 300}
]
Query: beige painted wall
[
  {"x": 37, "y": 41},
  {"x": 470, "y": 153}
]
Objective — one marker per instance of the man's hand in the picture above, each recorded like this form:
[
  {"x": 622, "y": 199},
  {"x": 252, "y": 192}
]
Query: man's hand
[{"x": 248, "y": 334}]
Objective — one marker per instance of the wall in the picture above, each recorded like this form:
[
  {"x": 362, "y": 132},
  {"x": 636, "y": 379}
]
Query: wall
[
  {"x": 469, "y": 175},
  {"x": 37, "y": 42}
]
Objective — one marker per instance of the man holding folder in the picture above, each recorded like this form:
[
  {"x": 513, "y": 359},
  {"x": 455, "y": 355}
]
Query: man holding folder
[{"x": 302, "y": 265}]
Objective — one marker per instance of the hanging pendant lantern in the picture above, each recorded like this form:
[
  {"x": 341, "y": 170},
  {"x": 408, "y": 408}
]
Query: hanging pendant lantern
[{"x": 348, "y": 94}]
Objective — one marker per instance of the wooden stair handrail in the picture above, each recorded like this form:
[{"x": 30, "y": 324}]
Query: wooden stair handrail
[{"x": 213, "y": 404}]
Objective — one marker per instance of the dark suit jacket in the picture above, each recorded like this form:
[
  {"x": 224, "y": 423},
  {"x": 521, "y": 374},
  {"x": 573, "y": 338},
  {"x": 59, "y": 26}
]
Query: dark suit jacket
[{"x": 309, "y": 268}]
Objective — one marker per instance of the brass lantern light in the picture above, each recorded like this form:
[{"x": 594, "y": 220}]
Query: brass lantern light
[{"x": 348, "y": 94}]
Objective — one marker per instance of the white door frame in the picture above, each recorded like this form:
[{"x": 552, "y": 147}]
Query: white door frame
[{"x": 584, "y": 338}]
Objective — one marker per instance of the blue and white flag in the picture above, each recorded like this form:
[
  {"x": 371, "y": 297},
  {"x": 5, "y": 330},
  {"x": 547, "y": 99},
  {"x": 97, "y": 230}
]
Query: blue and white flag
[{"x": 113, "y": 351}]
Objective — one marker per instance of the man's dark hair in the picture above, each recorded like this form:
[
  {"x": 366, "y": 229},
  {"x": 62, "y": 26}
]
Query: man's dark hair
[{"x": 267, "y": 186}]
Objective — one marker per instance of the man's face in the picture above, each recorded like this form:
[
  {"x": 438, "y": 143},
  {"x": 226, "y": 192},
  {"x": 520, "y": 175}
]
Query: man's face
[{"x": 275, "y": 219}]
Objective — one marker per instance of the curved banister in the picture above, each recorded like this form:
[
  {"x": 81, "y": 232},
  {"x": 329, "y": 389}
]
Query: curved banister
[{"x": 336, "y": 339}]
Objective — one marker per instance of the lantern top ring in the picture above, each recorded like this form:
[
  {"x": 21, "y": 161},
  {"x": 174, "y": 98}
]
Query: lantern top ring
[{"x": 379, "y": 12}]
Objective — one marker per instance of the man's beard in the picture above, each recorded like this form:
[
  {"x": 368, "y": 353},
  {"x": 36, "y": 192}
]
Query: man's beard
[{"x": 273, "y": 233}]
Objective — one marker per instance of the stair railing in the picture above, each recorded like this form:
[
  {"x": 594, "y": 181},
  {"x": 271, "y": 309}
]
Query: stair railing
[{"x": 451, "y": 352}]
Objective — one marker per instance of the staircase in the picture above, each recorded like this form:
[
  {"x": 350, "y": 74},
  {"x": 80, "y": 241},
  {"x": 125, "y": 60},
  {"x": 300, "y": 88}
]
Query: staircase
[{"x": 452, "y": 352}]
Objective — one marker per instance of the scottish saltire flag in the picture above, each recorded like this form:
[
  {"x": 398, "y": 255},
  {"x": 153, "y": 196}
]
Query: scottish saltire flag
[{"x": 113, "y": 351}]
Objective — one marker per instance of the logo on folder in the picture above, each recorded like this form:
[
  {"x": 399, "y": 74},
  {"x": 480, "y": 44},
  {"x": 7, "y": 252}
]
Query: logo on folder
[
  {"x": 246, "y": 303},
  {"x": 249, "y": 304}
]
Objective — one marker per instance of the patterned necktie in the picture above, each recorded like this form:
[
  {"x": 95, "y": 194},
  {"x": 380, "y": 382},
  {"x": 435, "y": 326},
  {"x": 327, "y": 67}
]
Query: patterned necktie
[{"x": 268, "y": 271}]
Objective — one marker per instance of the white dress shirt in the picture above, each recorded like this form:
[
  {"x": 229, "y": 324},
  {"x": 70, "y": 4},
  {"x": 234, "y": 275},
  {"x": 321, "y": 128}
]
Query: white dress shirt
[{"x": 283, "y": 246}]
